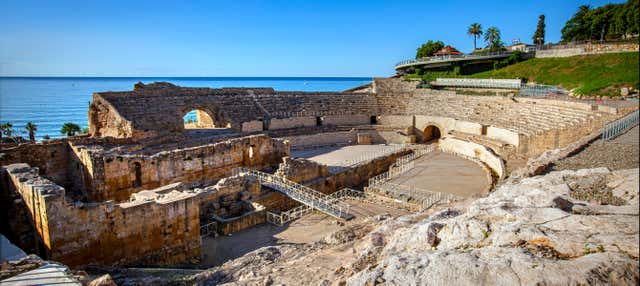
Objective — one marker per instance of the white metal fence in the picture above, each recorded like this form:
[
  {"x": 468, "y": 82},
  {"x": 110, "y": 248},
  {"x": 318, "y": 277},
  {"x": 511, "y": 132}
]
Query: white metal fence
[
  {"x": 365, "y": 158},
  {"x": 425, "y": 198},
  {"x": 435, "y": 59},
  {"x": 613, "y": 129},
  {"x": 478, "y": 83},
  {"x": 402, "y": 165},
  {"x": 300, "y": 193}
]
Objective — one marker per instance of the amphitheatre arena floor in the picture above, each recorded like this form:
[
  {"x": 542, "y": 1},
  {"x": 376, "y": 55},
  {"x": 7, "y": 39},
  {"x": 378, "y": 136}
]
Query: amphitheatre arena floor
[
  {"x": 437, "y": 171},
  {"x": 446, "y": 173},
  {"x": 339, "y": 156},
  {"x": 308, "y": 229}
]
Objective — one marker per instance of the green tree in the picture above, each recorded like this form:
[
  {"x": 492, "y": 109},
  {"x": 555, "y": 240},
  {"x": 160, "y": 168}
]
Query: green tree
[
  {"x": 6, "y": 129},
  {"x": 475, "y": 30},
  {"x": 429, "y": 48},
  {"x": 538, "y": 36},
  {"x": 492, "y": 39},
  {"x": 31, "y": 128},
  {"x": 46, "y": 137},
  {"x": 611, "y": 21},
  {"x": 577, "y": 28},
  {"x": 70, "y": 129}
]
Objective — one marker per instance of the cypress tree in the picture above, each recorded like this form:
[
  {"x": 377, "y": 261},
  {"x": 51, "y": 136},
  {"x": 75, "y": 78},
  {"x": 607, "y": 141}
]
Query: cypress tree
[{"x": 538, "y": 36}]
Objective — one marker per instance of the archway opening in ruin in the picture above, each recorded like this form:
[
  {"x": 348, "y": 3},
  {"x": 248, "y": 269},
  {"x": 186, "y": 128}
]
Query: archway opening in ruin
[
  {"x": 137, "y": 170},
  {"x": 199, "y": 119},
  {"x": 431, "y": 132}
]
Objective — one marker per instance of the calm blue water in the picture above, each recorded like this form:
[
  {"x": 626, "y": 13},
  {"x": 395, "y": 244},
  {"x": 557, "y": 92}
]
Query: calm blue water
[{"x": 50, "y": 102}]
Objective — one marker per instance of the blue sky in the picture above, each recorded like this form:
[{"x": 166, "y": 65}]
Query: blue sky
[{"x": 249, "y": 38}]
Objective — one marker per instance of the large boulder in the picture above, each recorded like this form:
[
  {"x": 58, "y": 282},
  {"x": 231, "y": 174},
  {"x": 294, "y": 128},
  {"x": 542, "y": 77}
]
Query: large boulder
[{"x": 543, "y": 230}]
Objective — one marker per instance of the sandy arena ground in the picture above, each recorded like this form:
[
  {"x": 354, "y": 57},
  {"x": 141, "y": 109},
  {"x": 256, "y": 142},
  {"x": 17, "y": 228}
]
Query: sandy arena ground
[
  {"x": 339, "y": 156},
  {"x": 308, "y": 229},
  {"x": 442, "y": 172}
]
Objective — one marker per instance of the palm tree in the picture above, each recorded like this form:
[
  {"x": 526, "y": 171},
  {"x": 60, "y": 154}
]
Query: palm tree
[
  {"x": 492, "y": 38},
  {"x": 32, "y": 128},
  {"x": 475, "y": 30},
  {"x": 70, "y": 129},
  {"x": 5, "y": 128}
]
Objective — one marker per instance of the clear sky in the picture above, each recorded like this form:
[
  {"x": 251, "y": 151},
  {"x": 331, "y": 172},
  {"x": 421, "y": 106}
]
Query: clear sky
[{"x": 250, "y": 38}]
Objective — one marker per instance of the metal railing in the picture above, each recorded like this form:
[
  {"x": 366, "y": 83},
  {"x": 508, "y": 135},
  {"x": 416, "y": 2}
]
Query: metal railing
[
  {"x": 209, "y": 228},
  {"x": 539, "y": 90},
  {"x": 386, "y": 151},
  {"x": 300, "y": 193},
  {"x": 478, "y": 83},
  {"x": 435, "y": 59},
  {"x": 613, "y": 129},
  {"x": 402, "y": 165},
  {"x": 425, "y": 198}
]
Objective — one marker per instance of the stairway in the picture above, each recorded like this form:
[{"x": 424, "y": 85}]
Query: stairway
[{"x": 300, "y": 193}]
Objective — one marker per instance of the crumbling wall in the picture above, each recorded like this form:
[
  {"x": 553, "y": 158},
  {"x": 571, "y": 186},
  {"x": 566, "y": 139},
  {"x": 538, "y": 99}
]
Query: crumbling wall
[
  {"x": 55, "y": 161},
  {"x": 117, "y": 176},
  {"x": 158, "y": 109},
  {"x": 159, "y": 232}
]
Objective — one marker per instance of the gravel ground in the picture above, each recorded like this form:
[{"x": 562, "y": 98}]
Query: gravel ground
[{"x": 620, "y": 153}]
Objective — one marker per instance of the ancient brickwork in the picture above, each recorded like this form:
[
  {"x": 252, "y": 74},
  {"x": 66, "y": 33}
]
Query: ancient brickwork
[
  {"x": 155, "y": 109},
  {"x": 117, "y": 175}
]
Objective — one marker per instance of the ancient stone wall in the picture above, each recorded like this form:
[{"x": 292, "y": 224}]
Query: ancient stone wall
[
  {"x": 155, "y": 227},
  {"x": 162, "y": 232},
  {"x": 587, "y": 49},
  {"x": 116, "y": 176},
  {"x": 55, "y": 161},
  {"x": 155, "y": 109}
]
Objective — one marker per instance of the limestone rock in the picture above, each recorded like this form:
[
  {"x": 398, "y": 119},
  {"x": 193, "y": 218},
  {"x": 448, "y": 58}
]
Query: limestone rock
[
  {"x": 529, "y": 232},
  {"x": 104, "y": 280},
  {"x": 624, "y": 91}
]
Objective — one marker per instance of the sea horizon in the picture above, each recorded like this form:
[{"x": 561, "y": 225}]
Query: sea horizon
[{"x": 50, "y": 101}]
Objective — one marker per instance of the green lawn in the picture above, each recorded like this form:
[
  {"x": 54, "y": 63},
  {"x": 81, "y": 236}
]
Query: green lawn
[{"x": 591, "y": 74}]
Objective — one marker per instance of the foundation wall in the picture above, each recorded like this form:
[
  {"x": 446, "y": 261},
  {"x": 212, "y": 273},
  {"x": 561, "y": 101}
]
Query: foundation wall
[
  {"x": 503, "y": 135},
  {"x": 56, "y": 161},
  {"x": 142, "y": 233},
  {"x": 346, "y": 119},
  {"x": 474, "y": 150},
  {"x": 204, "y": 164},
  {"x": 291, "y": 122}
]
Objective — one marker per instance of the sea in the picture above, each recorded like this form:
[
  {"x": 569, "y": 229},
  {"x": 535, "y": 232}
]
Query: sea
[{"x": 49, "y": 102}]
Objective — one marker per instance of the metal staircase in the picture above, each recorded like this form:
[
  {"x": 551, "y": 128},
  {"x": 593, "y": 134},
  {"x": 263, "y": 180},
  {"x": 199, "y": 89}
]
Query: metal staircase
[{"x": 300, "y": 193}]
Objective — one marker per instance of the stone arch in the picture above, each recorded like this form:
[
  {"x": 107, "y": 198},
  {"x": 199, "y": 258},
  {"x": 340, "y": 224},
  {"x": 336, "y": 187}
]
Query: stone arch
[
  {"x": 432, "y": 132},
  {"x": 199, "y": 117}
]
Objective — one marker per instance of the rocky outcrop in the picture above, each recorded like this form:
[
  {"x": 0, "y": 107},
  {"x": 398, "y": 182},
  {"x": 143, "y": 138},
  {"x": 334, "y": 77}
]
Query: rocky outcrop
[{"x": 532, "y": 232}]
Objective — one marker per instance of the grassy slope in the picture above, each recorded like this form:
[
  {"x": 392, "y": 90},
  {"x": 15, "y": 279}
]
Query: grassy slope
[{"x": 592, "y": 74}]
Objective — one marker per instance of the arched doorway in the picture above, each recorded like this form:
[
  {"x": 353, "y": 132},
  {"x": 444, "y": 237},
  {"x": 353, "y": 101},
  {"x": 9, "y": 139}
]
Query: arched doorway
[{"x": 431, "y": 132}]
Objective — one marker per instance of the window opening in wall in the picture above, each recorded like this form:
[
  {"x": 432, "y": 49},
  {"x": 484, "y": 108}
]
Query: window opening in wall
[
  {"x": 137, "y": 169},
  {"x": 373, "y": 120},
  {"x": 251, "y": 148},
  {"x": 318, "y": 121}
]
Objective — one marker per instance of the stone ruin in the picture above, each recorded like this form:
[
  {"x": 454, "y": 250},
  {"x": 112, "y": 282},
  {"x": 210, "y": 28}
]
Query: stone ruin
[{"x": 141, "y": 189}]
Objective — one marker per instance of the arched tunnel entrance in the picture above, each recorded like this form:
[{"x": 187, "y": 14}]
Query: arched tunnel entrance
[{"x": 431, "y": 132}]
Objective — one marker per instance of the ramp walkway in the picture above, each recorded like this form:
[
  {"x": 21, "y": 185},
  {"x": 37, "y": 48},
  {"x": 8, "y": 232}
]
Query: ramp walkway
[{"x": 300, "y": 193}]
